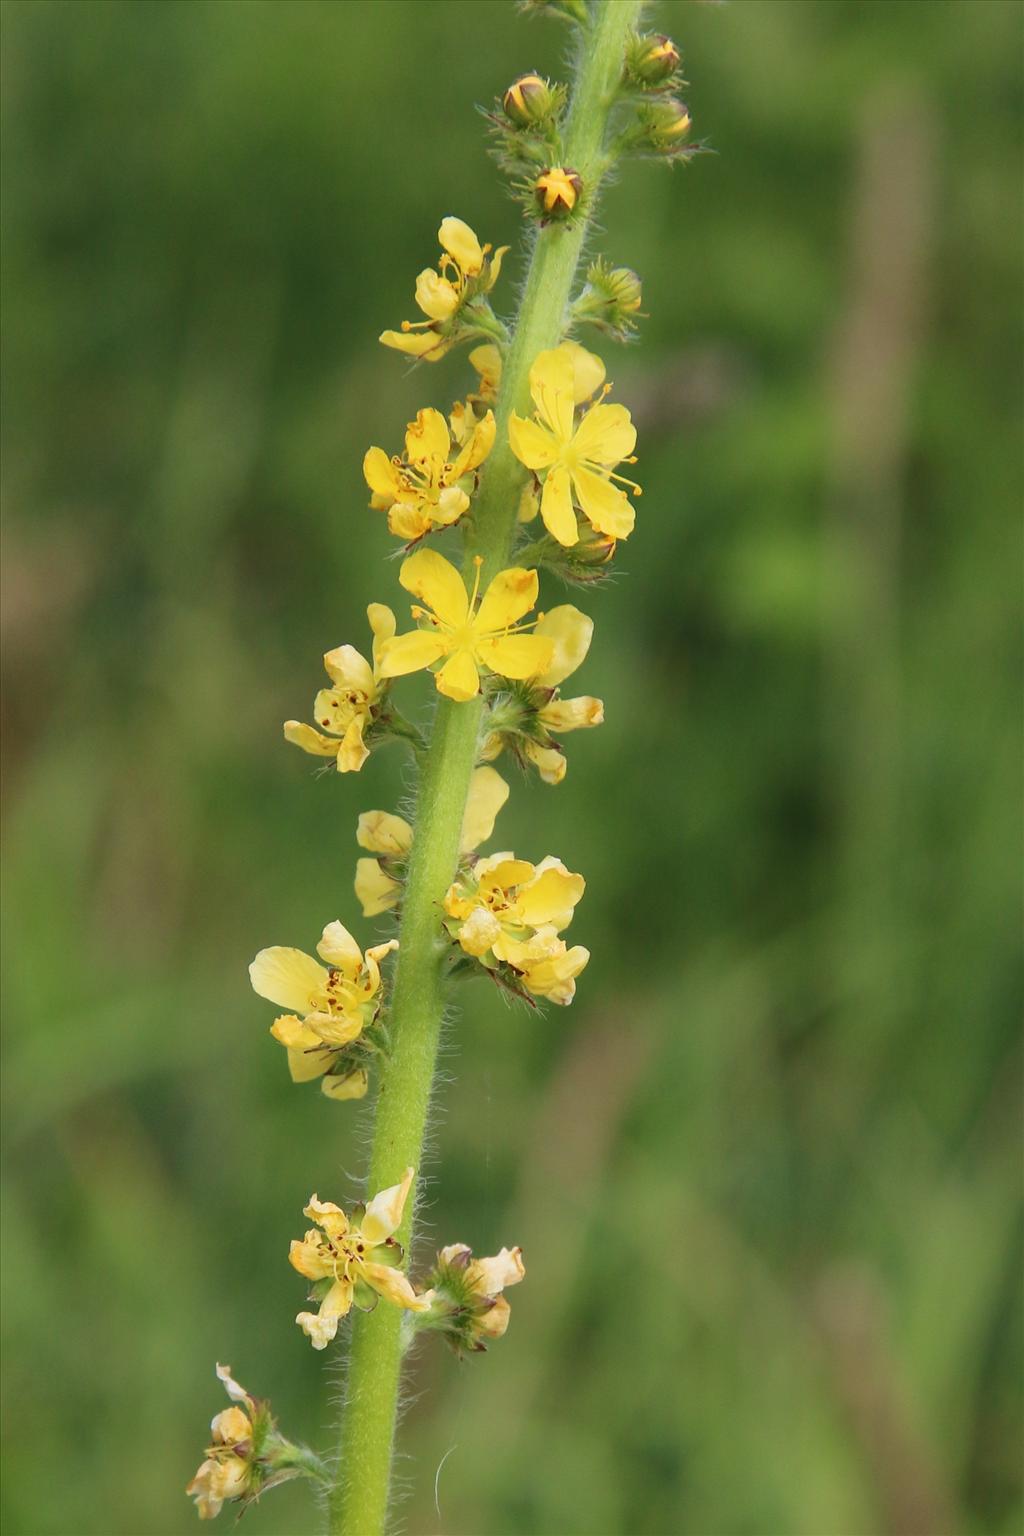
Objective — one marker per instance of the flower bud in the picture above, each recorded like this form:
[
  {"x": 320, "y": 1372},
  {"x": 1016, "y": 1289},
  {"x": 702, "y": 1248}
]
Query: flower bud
[
  {"x": 666, "y": 123},
  {"x": 651, "y": 59},
  {"x": 557, "y": 191},
  {"x": 528, "y": 100},
  {"x": 610, "y": 299}
]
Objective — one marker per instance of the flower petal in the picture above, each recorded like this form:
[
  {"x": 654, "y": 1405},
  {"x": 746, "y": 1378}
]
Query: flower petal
[
  {"x": 570, "y": 632},
  {"x": 587, "y": 371},
  {"x": 395, "y": 1287},
  {"x": 556, "y": 507},
  {"x": 487, "y": 794},
  {"x": 458, "y": 679},
  {"x": 550, "y": 897},
  {"x": 608, "y": 509},
  {"x": 459, "y": 241},
  {"x": 606, "y": 435},
  {"x": 353, "y": 751},
  {"x": 348, "y": 670},
  {"x": 435, "y": 295},
  {"x": 309, "y": 740},
  {"x": 381, "y": 832},
  {"x": 425, "y": 344},
  {"x": 533, "y": 445},
  {"x": 510, "y": 595},
  {"x": 384, "y": 1212},
  {"x": 381, "y": 475},
  {"x": 351, "y": 1086},
  {"x": 376, "y": 892},
  {"x": 478, "y": 933},
  {"x": 549, "y": 762},
  {"x": 478, "y": 447},
  {"x": 436, "y": 582},
  {"x": 408, "y": 653},
  {"x": 494, "y": 1274},
  {"x": 338, "y": 947},
  {"x": 287, "y": 977},
  {"x": 515, "y": 656},
  {"x": 572, "y": 714},
  {"x": 427, "y": 439},
  {"x": 552, "y": 386}
]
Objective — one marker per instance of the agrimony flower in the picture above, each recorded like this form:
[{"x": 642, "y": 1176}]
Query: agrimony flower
[
  {"x": 427, "y": 489},
  {"x": 227, "y": 1470},
  {"x": 531, "y": 719},
  {"x": 466, "y": 635},
  {"x": 557, "y": 191},
  {"x": 504, "y": 910},
  {"x": 453, "y": 297},
  {"x": 348, "y": 709},
  {"x": 332, "y": 1004},
  {"x": 469, "y": 1305},
  {"x": 378, "y": 881},
  {"x": 353, "y": 1260},
  {"x": 576, "y": 460}
]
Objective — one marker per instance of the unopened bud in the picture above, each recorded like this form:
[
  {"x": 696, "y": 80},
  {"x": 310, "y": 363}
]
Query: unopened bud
[
  {"x": 528, "y": 100},
  {"x": 667, "y": 123},
  {"x": 611, "y": 298},
  {"x": 557, "y": 191},
  {"x": 651, "y": 59}
]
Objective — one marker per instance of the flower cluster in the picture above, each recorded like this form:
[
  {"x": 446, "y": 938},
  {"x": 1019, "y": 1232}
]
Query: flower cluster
[
  {"x": 453, "y": 298},
  {"x": 246, "y": 1454}
]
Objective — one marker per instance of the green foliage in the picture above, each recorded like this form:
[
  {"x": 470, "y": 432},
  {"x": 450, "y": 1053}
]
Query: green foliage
[{"x": 770, "y": 1198}]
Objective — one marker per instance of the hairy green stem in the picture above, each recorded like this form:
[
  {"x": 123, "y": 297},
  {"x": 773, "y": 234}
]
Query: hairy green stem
[{"x": 359, "y": 1500}]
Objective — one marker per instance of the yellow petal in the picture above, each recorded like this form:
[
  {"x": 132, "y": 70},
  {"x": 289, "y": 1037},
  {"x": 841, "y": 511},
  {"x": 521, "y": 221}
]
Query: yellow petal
[
  {"x": 479, "y": 932},
  {"x": 307, "y": 1257},
  {"x": 587, "y": 371},
  {"x": 352, "y": 1086},
  {"x": 327, "y": 1215},
  {"x": 493, "y": 1324},
  {"x": 381, "y": 475},
  {"x": 609, "y": 510},
  {"x": 348, "y": 670},
  {"x": 515, "y": 656},
  {"x": 376, "y": 892},
  {"x": 606, "y": 435},
  {"x": 450, "y": 505},
  {"x": 333, "y": 710},
  {"x": 427, "y": 439},
  {"x": 487, "y": 794},
  {"x": 353, "y": 751},
  {"x": 563, "y": 715},
  {"x": 494, "y": 1274},
  {"x": 436, "y": 582},
  {"x": 548, "y": 761},
  {"x": 435, "y": 295},
  {"x": 306, "y": 1066},
  {"x": 552, "y": 385},
  {"x": 382, "y": 620},
  {"x": 381, "y": 832},
  {"x": 458, "y": 679},
  {"x": 287, "y": 977},
  {"x": 384, "y": 1212},
  {"x": 479, "y": 446},
  {"x": 338, "y": 947},
  {"x": 408, "y": 653},
  {"x": 425, "y": 344},
  {"x": 495, "y": 266},
  {"x": 570, "y": 632},
  {"x": 309, "y": 740},
  {"x": 556, "y": 507},
  {"x": 488, "y": 363},
  {"x": 394, "y": 1287},
  {"x": 410, "y": 520},
  {"x": 459, "y": 241},
  {"x": 556, "y": 978},
  {"x": 532, "y": 444},
  {"x": 319, "y": 1330},
  {"x": 550, "y": 897},
  {"x": 510, "y": 595}
]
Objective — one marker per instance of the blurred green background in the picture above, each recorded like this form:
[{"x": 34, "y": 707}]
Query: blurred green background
[{"x": 766, "y": 1171}]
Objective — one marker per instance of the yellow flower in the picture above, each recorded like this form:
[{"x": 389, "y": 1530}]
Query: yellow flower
[
  {"x": 467, "y": 636},
  {"x": 514, "y": 911},
  {"x": 578, "y": 461},
  {"x": 530, "y": 725},
  {"x": 449, "y": 296},
  {"x": 390, "y": 836},
  {"x": 354, "y": 1261},
  {"x": 423, "y": 491},
  {"x": 348, "y": 708},
  {"x": 332, "y": 1005},
  {"x": 545, "y": 965},
  {"x": 557, "y": 190},
  {"x": 226, "y": 1473},
  {"x": 465, "y": 416},
  {"x": 475, "y": 1288}
]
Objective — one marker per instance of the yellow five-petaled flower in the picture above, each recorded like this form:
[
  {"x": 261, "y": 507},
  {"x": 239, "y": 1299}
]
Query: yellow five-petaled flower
[
  {"x": 346, "y": 710},
  {"x": 332, "y": 1004},
  {"x": 354, "y": 1261},
  {"x": 577, "y": 462},
  {"x": 464, "y": 634},
  {"x": 425, "y": 490},
  {"x": 466, "y": 269}
]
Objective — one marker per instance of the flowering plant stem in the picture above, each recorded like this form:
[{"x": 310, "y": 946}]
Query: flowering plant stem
[{"x": 358, "y": 1501}]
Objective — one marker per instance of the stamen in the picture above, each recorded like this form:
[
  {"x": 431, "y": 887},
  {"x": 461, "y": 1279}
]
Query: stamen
[{"x": 478, "y": 561}]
